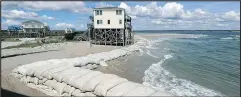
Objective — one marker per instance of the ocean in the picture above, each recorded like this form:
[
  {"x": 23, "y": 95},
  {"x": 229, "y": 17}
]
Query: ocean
[{"x": 196, "y": 63}]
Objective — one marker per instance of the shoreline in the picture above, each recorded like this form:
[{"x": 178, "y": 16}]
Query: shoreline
[{"x": 86, "y": 53}]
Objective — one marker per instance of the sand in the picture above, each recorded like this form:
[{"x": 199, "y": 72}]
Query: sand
[
  {"x": 67, "y": 50},
  {"x": 132, "y": 72}
]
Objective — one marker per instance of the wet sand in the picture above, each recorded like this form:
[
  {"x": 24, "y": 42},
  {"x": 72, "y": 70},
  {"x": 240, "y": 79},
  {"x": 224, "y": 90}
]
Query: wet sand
[{"x": 132, "y": 72}]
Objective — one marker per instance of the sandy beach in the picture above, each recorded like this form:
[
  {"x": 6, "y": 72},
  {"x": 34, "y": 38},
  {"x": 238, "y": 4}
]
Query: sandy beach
[{"x": 67, "y": 50}]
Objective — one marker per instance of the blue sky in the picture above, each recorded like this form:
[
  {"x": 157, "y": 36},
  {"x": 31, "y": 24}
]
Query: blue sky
[{"x": 160, "y": 15}]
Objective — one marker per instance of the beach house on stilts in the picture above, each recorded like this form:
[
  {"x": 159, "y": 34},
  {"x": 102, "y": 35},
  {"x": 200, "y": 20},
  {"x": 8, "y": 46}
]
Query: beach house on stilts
[{"x": 110, "y": 26}]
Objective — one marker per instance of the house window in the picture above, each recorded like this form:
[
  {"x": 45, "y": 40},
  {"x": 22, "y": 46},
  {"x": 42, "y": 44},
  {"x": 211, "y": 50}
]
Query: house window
[
  {"x": 98, "y": 12},
  {"x": 118, "y": 12},
  {"x": 98, "y": 22},
  {"x": 120, "y": 21},
  {"x": 108, "y": 21},
  {"x": 33, "y": 30}
]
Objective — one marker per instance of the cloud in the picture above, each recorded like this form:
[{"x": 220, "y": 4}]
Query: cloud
[
  {"x": 157, "y": 22},
  {"x": 170, "y": 10},
  {"x": 232, "y": 16},
  {"x": 73, "y": 6},
  {"x": 11, "y": 22},
  {"x": 64, "y": 25},
  {"x": 103, "y": 4},
  {"x": 18, "y": 14},
  {"x": 81, "y": 26}
]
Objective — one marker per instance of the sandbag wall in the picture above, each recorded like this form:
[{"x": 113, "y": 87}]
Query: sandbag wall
[
  {"x": 61, "y": 80},
  {"x": 74, "y": 77}
]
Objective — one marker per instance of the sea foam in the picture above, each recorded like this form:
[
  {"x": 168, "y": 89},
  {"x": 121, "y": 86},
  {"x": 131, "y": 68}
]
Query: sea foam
[{"x": 159, "y": 78}]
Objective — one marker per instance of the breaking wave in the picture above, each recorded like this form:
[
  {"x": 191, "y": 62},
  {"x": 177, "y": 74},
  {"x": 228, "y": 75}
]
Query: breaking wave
[
  {"x": 227, "y": 38},
  {"x": 150, "y": 54},
  {"x": 159, "y": 78}
]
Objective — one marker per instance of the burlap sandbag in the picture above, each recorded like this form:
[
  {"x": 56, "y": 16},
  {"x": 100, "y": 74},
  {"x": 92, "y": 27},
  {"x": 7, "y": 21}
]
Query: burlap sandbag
[
  {"x": 91, "y": 84},
  {"x": 48, "y": 74},
  {"x": 140, "y": 91},
  {"x": 59, "y": 87},
  {"x": 122, "y": 88},
  {"x": 160, "y": 93},
  {"x": 79, "y": 83},
  {"x": 58, "y": 76},
  {"x": 81, "y": 72},
  {"x": 77, "y": 92},
  {"x": 107, "y": 84}
]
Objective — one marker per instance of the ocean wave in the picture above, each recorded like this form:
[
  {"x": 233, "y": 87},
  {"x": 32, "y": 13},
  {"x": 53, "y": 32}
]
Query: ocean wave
[
  {"x": 227, "y": 38},
  {"x": 150, "y": 54},
  {"x": 198, "y": 36},
  {"x": 159, "y": 78}
]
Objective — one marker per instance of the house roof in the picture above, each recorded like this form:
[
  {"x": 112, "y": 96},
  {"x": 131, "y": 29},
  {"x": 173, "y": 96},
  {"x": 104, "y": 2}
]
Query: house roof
[
  {"x": 109, "y": 8},
  {"x": 32, "y": 21}
]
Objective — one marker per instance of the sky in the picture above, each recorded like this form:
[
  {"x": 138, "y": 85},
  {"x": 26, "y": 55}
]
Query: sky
[{"x": 149, "y": 15}]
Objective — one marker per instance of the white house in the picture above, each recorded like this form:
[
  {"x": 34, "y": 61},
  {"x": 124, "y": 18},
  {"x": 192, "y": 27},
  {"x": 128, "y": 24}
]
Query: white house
[
  {"x": 33, "y": 26},
  {"x": 69, "y": 30},
  {"x": 110, "y": 25},
  {"x": 110, "y": 17}
]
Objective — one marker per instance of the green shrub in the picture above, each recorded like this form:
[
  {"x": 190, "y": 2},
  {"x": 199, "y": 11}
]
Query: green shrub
[{"x": 70, "y": 36}]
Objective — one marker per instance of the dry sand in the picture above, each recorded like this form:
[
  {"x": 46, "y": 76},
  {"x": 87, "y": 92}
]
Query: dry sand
[{"x": 68, "y": 50}]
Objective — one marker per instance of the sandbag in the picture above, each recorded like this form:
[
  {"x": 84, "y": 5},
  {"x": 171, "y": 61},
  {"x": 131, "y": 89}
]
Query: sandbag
[
  {"x": 140, "y": 91},
  {"x": 81, "y": 72},
  {"x": 160, "y": 93},
  {"x": 59, "y": 87},
  {"x": 17, "y": 75},
  {"x": 122, "y": 88},
  {"x": 34, "y": 80},
  {"x": 50, "y": 83},
  {"x": 91, "y": 66},
  {"x": 65, "y": 94},
  {"x": 38, "y": 73},
  {"x": 91, "y": 84},
  {"x": 89, "y": 94},
  {"x": 48, "y": 74},
  {"x": 102, "y": 63},
  {"x": 77, "y": 93},
  {"x": 67, "y": 88},
  {"x": 107, "y": 84},
  {"x": 58, "y": 76},
  {"x": 43, "y": 80},
  {"x": 79, "y": 83}
]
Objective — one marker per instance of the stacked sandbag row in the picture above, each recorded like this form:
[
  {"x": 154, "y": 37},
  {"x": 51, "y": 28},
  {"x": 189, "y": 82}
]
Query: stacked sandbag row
[
  {"x": 20, "y": 51},
  {"x": 75, "y": 81}
]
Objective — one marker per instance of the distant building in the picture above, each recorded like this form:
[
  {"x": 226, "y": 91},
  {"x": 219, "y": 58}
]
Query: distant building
[
  {"x": 69, "y": 30},
  {"x": 15, "y": 29},
  {"x": 111, "y": 25},
  {"x": 33, "y": 26}
]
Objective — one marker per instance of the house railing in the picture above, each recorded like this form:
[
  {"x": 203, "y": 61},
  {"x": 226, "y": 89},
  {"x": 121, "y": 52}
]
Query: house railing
[
  {"x": 128, "y": 18},
  {"x": 128, "y": 25},
  {"x": 90, "y": 25},
  {"x": 91, "y": 18}
]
